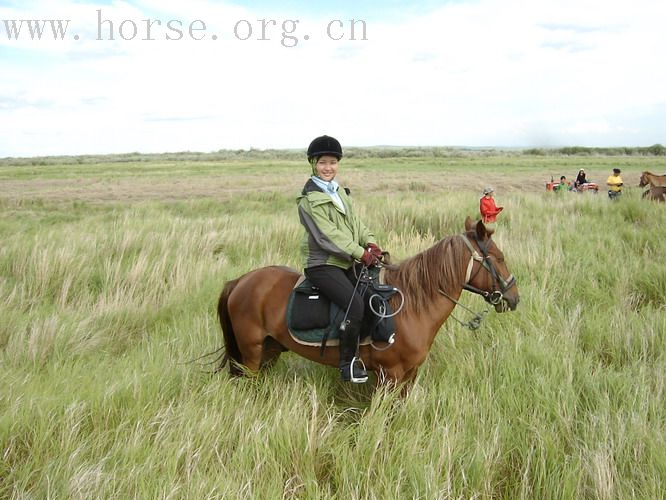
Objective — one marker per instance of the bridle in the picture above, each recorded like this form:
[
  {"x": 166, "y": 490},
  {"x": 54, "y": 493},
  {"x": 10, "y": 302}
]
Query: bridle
[{"x": 500, "y": 285}]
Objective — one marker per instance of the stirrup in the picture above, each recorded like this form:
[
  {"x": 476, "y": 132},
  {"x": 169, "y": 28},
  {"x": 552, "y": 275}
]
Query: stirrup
[{"x": 354, "y": 371}]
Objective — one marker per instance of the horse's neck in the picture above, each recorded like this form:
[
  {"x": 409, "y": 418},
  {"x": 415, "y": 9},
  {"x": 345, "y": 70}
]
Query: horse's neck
[
  {"x": 429, "y": 317},
  {"x": 444, "y": 306}
]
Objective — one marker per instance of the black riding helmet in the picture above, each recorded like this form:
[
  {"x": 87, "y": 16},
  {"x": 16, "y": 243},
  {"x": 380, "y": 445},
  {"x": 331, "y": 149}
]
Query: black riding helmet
[{"x": 324, "y": 145}]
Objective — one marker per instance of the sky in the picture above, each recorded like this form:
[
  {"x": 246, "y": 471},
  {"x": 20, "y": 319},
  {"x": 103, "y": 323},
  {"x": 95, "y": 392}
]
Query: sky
[{"x": 157, "y": 76}]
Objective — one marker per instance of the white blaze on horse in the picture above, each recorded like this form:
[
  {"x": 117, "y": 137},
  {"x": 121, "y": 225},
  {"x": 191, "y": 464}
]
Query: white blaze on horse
[{"x": 252, "y": 308}]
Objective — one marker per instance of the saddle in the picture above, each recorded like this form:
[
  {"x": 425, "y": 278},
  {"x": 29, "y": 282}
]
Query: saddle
[{"x": 312, "y": 319}]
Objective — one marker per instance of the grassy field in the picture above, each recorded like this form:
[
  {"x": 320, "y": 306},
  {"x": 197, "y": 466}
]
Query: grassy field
[{"x": 109, "y": 277}]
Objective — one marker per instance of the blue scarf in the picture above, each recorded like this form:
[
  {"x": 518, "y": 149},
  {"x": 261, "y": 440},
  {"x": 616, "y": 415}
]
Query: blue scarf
[{"x": 331, "y": 189}]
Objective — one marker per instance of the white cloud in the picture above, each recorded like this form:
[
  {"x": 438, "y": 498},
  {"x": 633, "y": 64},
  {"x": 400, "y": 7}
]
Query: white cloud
[{"x": 477, "y": 73}]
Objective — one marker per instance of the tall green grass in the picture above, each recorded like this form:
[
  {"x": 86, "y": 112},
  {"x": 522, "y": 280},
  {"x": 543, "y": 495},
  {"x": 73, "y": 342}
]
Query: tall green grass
[{"x": 104, "y": 303}]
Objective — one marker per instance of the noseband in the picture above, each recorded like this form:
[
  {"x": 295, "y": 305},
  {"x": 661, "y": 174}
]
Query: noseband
[{"x": 500, "y": 285}]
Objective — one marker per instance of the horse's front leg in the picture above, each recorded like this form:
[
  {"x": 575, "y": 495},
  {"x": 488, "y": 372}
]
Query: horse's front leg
[{"x": 396, "y": 377}]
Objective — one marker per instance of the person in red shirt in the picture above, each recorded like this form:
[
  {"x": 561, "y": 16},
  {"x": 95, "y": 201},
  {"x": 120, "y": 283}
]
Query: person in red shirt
[{"x": 489, "y": 210}]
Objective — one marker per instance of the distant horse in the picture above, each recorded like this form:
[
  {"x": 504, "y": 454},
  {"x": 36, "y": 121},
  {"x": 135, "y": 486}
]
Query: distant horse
[
  {"x": 652, "y": 179},
  {"x": 252, "y": 308},
  {"x": 655, "y": 193}
]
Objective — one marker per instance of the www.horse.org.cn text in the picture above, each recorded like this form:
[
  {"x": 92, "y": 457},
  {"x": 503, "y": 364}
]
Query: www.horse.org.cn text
[{"x": 287, "y": 32}]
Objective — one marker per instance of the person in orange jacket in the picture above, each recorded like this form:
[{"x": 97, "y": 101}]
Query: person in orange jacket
[{"x": 489, "y": 210}]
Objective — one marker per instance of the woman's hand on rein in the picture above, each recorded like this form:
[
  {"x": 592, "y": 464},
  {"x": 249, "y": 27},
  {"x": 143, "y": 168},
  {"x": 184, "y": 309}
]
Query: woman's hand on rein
[
  {"x": 368, "y": 258},
  {"x": 375, "y": 250}
]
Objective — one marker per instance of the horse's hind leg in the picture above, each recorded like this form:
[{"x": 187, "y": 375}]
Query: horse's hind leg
[
  {"x": 250, "y": 344},
  {"x": 271, "y": 352}
]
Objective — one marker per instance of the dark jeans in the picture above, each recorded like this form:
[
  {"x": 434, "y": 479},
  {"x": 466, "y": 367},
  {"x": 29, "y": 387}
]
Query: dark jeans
[{"x": 335, "y": 283}]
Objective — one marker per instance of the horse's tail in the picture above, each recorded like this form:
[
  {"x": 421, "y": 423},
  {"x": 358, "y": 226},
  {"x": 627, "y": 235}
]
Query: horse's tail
[{"x": 232, "y": 354}]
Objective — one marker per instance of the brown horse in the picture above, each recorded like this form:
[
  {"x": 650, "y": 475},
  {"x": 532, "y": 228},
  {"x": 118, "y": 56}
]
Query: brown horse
[
  {"x": 252, "y": 308},
  {"x": 653, "y": 180},
  {"x": 655, "y": 193}
]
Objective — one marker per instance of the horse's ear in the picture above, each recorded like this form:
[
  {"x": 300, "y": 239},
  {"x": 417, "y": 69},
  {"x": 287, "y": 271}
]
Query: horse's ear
[
  {"x": 482, "y": 232},
  {"x": 469, "y": 224}
]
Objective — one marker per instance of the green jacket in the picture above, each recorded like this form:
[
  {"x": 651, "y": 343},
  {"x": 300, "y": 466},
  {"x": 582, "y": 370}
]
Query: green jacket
[{"x": 331, "y": 236}]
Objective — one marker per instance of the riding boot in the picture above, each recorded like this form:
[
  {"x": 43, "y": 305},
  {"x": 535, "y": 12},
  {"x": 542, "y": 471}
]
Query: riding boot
[{"x": 351, "y": 367}]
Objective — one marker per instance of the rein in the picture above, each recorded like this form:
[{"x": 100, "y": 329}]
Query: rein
[
  {"x": 494, "y": 297},
  {"x": 381, "y": 311}
]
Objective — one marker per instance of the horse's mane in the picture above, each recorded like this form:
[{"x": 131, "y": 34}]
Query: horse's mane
[
  {"x": 441, "y": 266},
  {"x": 650, "y": 174}
]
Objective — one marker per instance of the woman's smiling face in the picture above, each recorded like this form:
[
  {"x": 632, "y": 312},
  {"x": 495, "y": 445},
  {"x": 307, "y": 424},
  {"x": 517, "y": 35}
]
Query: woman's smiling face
[{"x": 327, "y": 168}]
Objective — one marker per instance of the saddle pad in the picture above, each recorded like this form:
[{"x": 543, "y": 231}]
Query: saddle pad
[
  {"x": 310, "y": 316},
  {"x": 314, "y": 338}
]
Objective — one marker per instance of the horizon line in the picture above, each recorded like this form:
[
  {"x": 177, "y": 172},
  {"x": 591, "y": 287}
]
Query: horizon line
[{"x": 379, "y": 146}]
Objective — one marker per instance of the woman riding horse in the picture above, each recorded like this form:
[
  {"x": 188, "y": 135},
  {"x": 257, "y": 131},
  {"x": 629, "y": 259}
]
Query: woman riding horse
[
  {"x": 252, "y": 308},
  {"x": 334, "y": 236}
]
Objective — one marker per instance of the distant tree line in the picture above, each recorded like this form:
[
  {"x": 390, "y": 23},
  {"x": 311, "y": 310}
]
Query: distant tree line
[
  {"x": 352, "y": 152},
  {"x": 654, "y": 150}
]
